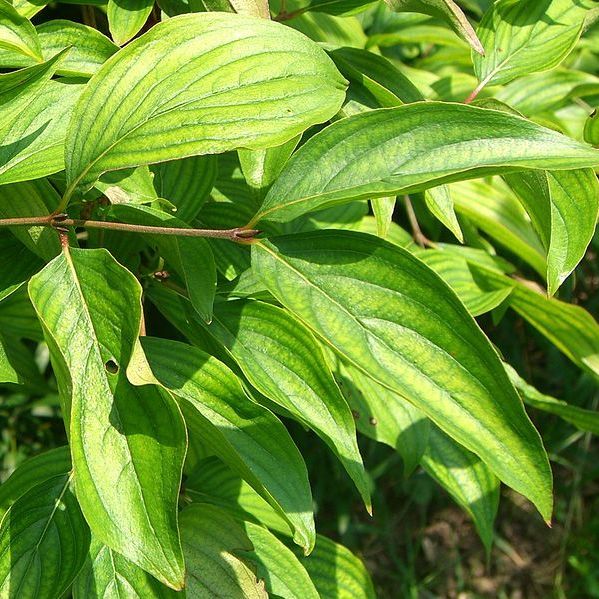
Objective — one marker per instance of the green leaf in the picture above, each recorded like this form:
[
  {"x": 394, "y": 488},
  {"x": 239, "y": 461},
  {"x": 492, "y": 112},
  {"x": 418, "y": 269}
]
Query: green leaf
[
  {"x": 591, "y": 129},
  {"x": 377, "y": 75},
  {"x": 108, "y": 575},
  {"x": 127, "y": 443},
  {"x": 453, "y": 269},
  {"x": 385, "y": 416},
  {"x": 337, "y": 7},
  {"x": 496, "y": 210},
  {"x": 89, "y": 48},
  {"x": 411, "y": 148},
  {"x": 17, "y": 33},
  {"x": 31, "y": 472},
  {"x": 468, "y": 480},
  {"x": 447, "y": 10},
  {"x": 186, "y": 183},
  {"x": 570, "y": 328},
  {"x": 281, "y": 359},
  {"x": 126, "y": 18},
  {"x": 584, "y": 420},
  {"x": 214, "y": 482},
  {"x": 33, "y": 116},
  {"x": 252, "y": 8},
  {"x": 244, "y": 434},
  {"x": 370, "y": 301},
  {"x": 113, "y": 128},
  {"x": 31, "y": 198},
  {"x": 211, "y": 538},
  {"x": 523, "y": 37},
  {"x": 191, "y": 257},
  {"x": 17, "y": 265},
  {"x": 563, "y": 206},
  {"x": 337, "y": 572},
  {"x": 43, "y": 541},
  {"x": 17, "y": 365},
  {"x": 282, "y": 572},
  {"x": 383, "y": 212},
  {"x": 440, "y": 203}
]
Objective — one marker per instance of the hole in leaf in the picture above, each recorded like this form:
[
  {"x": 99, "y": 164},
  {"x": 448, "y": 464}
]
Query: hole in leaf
[{"x": 112, "y": 367}]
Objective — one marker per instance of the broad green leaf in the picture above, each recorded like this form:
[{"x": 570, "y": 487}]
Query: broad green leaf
[
  {"x": 584, "y": 420},
  {"x": 31, "y": 472},
  {"x": 337, "y": 572},
  {"x": 17, "y": 316},
  {"x": 570, "y": 328},
  {"x": 591, "y": 129},
  {"x": 43, "y": 541},
  {"x": 191, "y": 257},
  {"x": 17, "y": 33},
  {"x": 563, "y": 206},
  {"x": 468, "y": 480},
  {"x": 211, "y": 539},
  {"x": 242, "y": 433},
  {"x": 186, "y": 183},
  {"x": 496, "y": 210},
  {"x": 385, "y": 416},
  {"x": 108, "y": 575},
  {"x": 383, "y": 212},
  {"x": 214, "y": 482},
  {"x": 283, "y": 574},
  {"x": 411, "y": 148},
  {"x": 281, "y": 359},
  {"x": 33, "y": 118},
  {"x": 370, "y": 301},
  {"x": 453, "y": 269},
  {"x": 525, "y": 37},
  {"x": 89, "y": 48},
  {"x": 126, "y": 18},
  {"x": 114, "y": 128},
  {"x": 31, "y": 198},
  {"x": 447, "y": 10},
  {"x": 127, "y": 443}
]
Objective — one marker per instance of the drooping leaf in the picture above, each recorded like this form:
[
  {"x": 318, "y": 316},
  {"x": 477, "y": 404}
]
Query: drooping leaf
[
  {"x": 281, "y": 358},
  {"x": 17, "y": 265},
  {"x": 582, "y": 419},
  {"x": 569, "y": 327},
  {"x": 525, "y": 37},
  {"x": 468, "y": 480},
  {"x": 283, "y": 574},
  {"x": 33, "y": 116},
  {"x": 337, "y": 572},
  {"x": 383, "y": 212},
  {"x": 447, "y": 10},
  {"x": 108, "y": 575},
  {"x": 411, "y": 148},
  {"x": 440, "y": 203},
  {"x": 384, "y": 416},
  {"x": 370, "y": 301},
  {"x": 211, "y": 541},
  {"x": 191, "y": 257},
  {"x": 563, "y": 206},
  {"x": 186, "y": 183},
  {"x": 242, "y": 433},
  {"x": 43, "y": 541},
  {"x": 113, "y": 128},
  {"x": 126, "y": 18},
  {"x": 17, "y": 365},
  {"x": 90, "y": 309},
  {"x": 17, "y": 33}
]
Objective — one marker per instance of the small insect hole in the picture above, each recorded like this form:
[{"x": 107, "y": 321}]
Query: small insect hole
[{"x": 112, "y": 367}]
